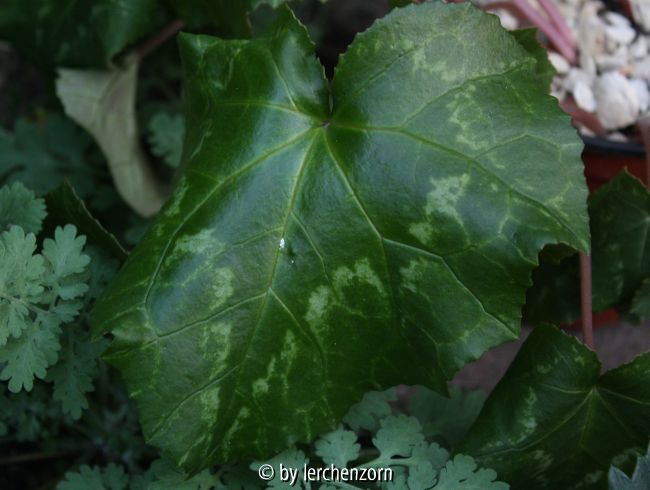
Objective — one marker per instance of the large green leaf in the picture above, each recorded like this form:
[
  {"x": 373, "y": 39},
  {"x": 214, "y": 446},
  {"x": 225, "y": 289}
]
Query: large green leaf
[
  {"x": 554, "y": 422},
  {"x": 86, "y": 33},
  {"x": 314, "y": 250},
  {"x": 620, "y": 223}
]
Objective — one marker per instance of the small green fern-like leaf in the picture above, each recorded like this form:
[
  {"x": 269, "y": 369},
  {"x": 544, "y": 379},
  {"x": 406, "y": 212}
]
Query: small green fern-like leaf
[
  {"x": 19, "y": 206},
  {"x": 166, "y": 133},
  {"x": 110, "y": 478},
  {"x": 461, "y": 473},
  {"x": 338, "y": 447},
  {"x": 38, "y": 293},
  {"x": 74, "y": 372},
  {"x": 21, "y": 281}
]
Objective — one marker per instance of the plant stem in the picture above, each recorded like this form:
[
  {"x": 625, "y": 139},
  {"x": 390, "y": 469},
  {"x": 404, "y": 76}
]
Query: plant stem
[
  {"x": 30, "y": 457},
  {"x": 644, "y": 128},
  {"x": 586, "y": 300},
  {"x": 159, "y": 38},
  {"x": 522, "y": 9}
]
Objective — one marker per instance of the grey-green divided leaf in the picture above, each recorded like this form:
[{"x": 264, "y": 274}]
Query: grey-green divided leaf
[
  {"x": 462, "y": 473},
  {"x": 75, "y": 370},
  {"x": 38, "y": 293},
  {"x": 291, "y": 458},
  {"x": 19, "y": 206},
  {"x": 366, "y": 414},
  {"x": 94, "y": 478},
  {"x": 338, "y": 447},
  {"x": 640, "y": 480},
  {"x": 620, "y": 257},
  {"x": 76, "y": 33},
  {"x": 554, "y": 422},
  {"x": 310, "y": 254},
  {"x": 44, "y": 154},
  {"x": 166, "y": 133}
]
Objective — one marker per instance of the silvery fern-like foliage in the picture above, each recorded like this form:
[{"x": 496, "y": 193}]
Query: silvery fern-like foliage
[
  {"x": 41, "y": 292},
  {"x": 38, "y": 294}
]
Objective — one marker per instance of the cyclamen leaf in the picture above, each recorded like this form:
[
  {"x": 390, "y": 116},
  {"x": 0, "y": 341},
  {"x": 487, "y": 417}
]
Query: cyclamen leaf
[
  {"x": 620, "y": 257},
  {"x": 640, "y": 478},
  {"x": 338, "y": 447},
  {"x": 19, "y": 206},
  {"x": 620, "y": 215},
  {"x": 554, "y": 422},
  {"x": 386, "y": 240}
]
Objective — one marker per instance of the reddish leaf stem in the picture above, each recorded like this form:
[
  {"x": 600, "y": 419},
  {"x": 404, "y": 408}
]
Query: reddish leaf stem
[
  {"x": 559, "y": 22},
  {"x": 159, "y": 38},
  {"x": 586, "y": 300},
  {"x": 644, "y": 128},
  {"x": 522, "y": 9}
]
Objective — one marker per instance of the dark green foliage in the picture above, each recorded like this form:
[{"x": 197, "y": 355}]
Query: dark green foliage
[
  {"x": 620, "y": 221},
  {"x": 281, "y": 190},
  {"x": 554, "y": 421}
]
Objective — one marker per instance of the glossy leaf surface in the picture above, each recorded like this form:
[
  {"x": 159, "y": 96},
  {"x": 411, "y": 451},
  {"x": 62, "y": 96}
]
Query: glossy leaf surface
[
  {"x": 554, "y": 422},
  {"x": 310, "y": 253}
]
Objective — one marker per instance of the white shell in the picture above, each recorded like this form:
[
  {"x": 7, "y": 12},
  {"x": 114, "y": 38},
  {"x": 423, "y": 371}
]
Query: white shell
[
  {"x": 641, "y": 69},
  {"x": 618, "y": 104},
  {"x": 620, "y": 34},
  {"x": 559, "y": 62},
  {"x": 642, "y": 93},
  {"x": 641, "y": 13},
  {"x": 639, "y": 48},
  {"x": 508, "y": 21},
  {"x": 584, "y": 97},
  {"x": 576, "y": 75}
]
